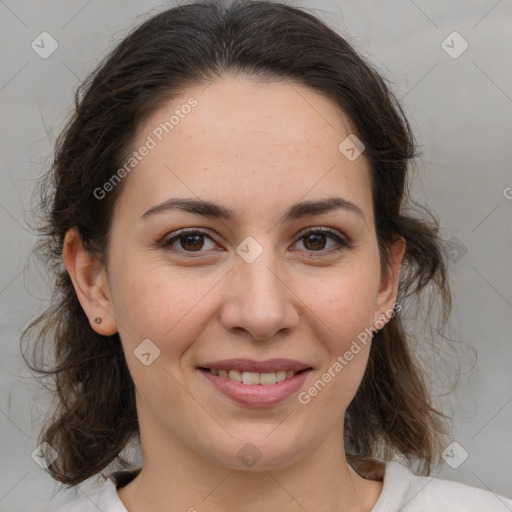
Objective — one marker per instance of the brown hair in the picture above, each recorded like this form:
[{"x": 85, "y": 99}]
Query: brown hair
[{"x": 95, "y": 416}]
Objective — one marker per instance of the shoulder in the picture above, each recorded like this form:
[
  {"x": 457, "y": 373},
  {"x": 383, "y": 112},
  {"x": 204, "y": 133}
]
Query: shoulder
[
  {"x": 407, "y": 492},
  {"x": 104, "y": 498}
]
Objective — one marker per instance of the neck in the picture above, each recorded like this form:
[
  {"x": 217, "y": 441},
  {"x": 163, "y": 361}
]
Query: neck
[{"x": 177, "y": 478}]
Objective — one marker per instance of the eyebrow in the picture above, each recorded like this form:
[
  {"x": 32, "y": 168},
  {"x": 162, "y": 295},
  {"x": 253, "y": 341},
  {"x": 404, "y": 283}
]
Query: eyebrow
[{"x": 213, "y": 210}]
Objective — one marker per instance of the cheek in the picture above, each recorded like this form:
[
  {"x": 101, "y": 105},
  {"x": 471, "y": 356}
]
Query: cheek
[
  {"x": 343, "y": 302},
  {"x": 168, "y": 311},
  {"x": 167, "y": 304},
  {"x": 155, "y": 303},
  {"x": 343, "y": 307}
]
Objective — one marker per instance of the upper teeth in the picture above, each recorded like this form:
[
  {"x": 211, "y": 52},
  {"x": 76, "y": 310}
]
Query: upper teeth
[{"x": 254, "y": 377}]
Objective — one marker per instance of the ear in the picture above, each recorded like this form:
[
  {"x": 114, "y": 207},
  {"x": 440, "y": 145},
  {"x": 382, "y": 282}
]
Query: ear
[
  {"x": 388, "y": 291},
  {"x": 90, "y": 282}
]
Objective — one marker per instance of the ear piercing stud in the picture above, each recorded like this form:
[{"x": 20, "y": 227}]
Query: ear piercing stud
[{"x": 97, "y": 320}]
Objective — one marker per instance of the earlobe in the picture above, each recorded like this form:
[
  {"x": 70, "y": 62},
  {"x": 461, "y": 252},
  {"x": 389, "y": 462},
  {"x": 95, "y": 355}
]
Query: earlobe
[
  {"x": 89, "y": 280},
  {"x": 388, "y": 292}
]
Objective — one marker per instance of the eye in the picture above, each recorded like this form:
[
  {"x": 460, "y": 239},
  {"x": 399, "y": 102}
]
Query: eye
[
  {"x": 315, "y": 240},
  {"x": 188, "y": 240}
]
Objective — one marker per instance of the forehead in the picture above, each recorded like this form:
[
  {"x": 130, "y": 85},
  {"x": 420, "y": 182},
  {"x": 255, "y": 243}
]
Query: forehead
[
  {"x": 239, "y": 111},
  {"x": 272, "y": 140}
]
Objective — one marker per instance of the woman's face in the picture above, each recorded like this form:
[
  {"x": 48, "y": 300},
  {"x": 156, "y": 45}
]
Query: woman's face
[{"x": 252, "y": 287}]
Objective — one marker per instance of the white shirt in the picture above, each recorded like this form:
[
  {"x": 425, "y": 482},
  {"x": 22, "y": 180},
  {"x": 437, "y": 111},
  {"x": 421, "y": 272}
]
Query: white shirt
[{"x": 402, "y": 492}]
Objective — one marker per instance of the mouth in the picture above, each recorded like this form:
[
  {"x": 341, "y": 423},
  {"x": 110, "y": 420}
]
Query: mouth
[
  {"x": 254, "y": 378},
  {"x": 256, "y": 383}
]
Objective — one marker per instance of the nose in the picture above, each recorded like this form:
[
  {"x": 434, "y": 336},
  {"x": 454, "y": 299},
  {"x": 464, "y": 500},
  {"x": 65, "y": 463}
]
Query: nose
[{"x": 259, "y": 300}]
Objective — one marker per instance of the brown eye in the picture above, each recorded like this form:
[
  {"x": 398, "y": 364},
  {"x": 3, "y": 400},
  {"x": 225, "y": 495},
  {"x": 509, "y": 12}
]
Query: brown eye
[
  {"x": 314, "y": 241},
  {"x": 320, "y": 241},
  {"x": 317, "y": 241},
  {"x": 187, "y": 241},
  {"x": 191, "y": 242}
]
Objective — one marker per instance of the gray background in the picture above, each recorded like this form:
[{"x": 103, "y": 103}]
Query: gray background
[{"x": 461, "y": 112}]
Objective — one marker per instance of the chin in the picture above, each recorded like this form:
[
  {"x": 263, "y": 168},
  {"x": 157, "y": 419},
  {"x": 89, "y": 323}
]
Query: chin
[{"x": 257, "y": 452}]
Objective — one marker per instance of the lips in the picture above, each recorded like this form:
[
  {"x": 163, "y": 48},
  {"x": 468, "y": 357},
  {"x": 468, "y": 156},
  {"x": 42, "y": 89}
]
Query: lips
[
  {"x": 256, "y": 383},
  {"x": 253, "y": 378},
  {"x": 249, "y": 365}
]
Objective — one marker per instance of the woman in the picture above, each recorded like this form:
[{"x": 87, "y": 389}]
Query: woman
[{"x": 226, "y": 222}]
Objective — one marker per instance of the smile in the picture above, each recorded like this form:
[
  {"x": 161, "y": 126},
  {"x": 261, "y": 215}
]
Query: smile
[
  {"x": 256, "y": 383},
  {"x": 253, "y": 378}
]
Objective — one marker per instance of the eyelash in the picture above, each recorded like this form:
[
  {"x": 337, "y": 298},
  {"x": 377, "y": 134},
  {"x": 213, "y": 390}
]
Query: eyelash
[{"x": 342, "y": 243}]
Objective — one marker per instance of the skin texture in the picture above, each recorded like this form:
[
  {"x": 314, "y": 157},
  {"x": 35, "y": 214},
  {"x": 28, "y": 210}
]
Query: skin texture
[{"x": 256, "y": 148}]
